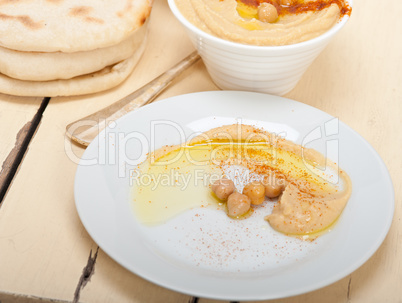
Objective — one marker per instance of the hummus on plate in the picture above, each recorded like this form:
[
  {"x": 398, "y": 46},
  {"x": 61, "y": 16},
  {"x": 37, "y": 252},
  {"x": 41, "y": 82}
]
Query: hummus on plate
[
  {"x": 264, "y": 22},
  {"x": 177, "y": 178}
]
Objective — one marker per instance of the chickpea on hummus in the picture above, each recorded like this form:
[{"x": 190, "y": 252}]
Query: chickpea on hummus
[
  {"x": 264, "y": 22},
  {"x": 309, "y": 200}
]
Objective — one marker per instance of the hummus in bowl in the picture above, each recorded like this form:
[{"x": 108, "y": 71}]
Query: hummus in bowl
[{"x": 264, "y": 22}]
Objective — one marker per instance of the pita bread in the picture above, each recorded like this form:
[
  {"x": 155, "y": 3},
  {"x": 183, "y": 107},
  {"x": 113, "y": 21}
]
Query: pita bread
[
  {"x": 40, "y": 66},
  {"x": 102, "y": 80},
  {"x": 69, "y": 26}
]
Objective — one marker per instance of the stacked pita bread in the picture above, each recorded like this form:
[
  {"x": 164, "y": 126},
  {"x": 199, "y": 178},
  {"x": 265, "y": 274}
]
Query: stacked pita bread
[{"x": 69, "y": 47}]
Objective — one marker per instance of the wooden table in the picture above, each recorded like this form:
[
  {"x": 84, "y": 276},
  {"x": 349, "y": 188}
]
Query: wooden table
[{"x": 46, "y": 254}]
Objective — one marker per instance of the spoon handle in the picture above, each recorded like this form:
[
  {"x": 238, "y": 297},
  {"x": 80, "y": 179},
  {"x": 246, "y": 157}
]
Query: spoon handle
[{"x": 83, "y": 131}]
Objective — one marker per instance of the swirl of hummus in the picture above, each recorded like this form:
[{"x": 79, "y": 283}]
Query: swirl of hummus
[
  {"x": 239, "y": 20},
  {"x": 312, "y": 200}
]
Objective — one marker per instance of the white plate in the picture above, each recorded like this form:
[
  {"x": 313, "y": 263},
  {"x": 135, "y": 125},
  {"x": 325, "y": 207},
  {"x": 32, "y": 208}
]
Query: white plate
[{"x": 204, "y": 253}]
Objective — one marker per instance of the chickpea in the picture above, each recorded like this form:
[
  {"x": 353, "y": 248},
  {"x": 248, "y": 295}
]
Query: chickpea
[
  {"x": 267, "y": 13},
  {"x": 286, "y": 2},
  {"x": 238, "y": 204},
  {"x": 255, "y": 191},
  {"x": 273, "y": 186},
  {"x": 223, "y": 188}
]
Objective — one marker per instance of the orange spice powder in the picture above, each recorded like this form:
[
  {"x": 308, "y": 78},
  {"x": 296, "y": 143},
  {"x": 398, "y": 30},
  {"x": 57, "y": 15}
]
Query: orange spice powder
[{"x": 300, "y": 6}]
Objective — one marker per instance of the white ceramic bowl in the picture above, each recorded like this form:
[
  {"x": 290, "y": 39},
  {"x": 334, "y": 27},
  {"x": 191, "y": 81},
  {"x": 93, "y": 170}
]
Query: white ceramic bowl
[{"x": 267, "y": 69}]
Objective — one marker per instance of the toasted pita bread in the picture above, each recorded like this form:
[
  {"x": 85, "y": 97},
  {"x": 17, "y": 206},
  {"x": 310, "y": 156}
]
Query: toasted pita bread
[
  {"x": 69, "y": 26},
  {"x": 40, "y": 66},
  {"x": 102, "y": 80}
]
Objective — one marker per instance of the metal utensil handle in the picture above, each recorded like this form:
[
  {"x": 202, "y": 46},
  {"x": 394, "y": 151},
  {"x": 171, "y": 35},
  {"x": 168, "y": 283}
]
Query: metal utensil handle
[{"x": 84, "y": 130}]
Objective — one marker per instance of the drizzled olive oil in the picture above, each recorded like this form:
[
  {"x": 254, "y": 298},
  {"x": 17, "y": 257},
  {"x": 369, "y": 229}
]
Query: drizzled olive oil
[{"x": 179, "y": 179}]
